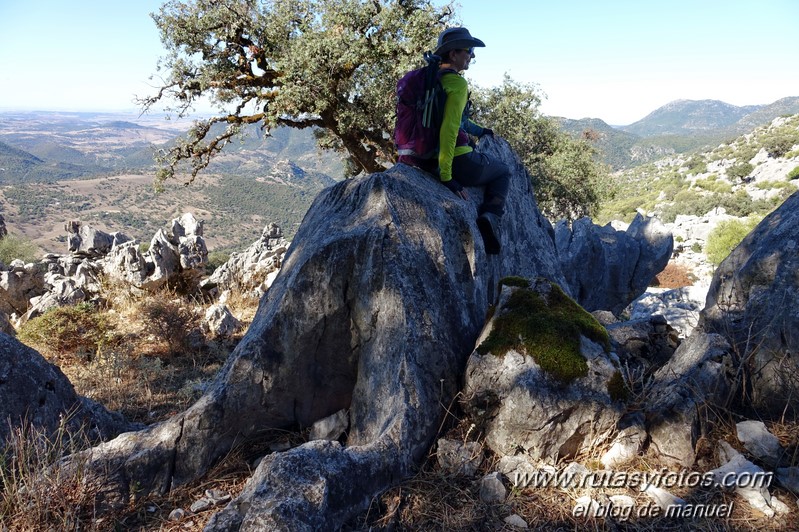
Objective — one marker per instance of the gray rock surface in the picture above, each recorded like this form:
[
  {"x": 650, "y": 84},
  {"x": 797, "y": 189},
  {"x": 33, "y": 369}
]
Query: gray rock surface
[
  {"x": 89, "y": 240},
  {"x": 684, "y": 391},
  {"x": 524, "y": 408},
  {"x": 253, "y": 270},
  {"x": 348, "y": 322},
  {"x": 38, "y": 394},
  {"x": 219, "y": 322},
  {"x": 754, "y": 302},
  {"x": 607, "y": 269}
]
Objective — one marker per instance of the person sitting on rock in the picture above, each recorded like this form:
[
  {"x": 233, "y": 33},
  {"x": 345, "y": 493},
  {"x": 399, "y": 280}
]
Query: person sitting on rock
[{"x": 459, "y": 164}]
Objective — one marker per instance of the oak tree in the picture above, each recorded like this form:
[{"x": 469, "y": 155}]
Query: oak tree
[{"x": 327, "y": 64}]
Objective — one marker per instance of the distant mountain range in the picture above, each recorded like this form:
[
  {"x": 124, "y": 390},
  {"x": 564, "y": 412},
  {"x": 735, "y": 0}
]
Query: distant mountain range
[
  {"x": 42, "y": 147},
  {"x": 677, "y": 127}
]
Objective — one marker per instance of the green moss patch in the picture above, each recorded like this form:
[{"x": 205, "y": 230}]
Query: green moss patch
[
  {"x": 547, "y": 329},
  {"x": 617, "y": 389},
  {"x": 513, "y": 280}
]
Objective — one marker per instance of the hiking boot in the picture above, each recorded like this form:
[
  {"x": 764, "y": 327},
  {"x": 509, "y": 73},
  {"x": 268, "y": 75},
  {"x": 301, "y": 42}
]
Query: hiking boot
[{"x": 488, "y": 224}]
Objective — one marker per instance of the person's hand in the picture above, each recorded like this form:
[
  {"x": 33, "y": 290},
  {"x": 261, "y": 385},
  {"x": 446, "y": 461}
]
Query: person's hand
[
  {"x": 487, "y": 131},
  {"x": 456, "y": 188}
]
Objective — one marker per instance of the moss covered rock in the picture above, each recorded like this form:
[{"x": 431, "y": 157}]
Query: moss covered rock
[{"x": 542, "y": 376}]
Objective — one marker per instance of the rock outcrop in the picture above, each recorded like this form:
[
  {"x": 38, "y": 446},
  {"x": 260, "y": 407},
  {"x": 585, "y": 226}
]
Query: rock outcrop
[
  {"x": 36, "y": 393},
  {"x": 177, "y": 256},
  {"x": 541, "y": 380},
  {"x": 253, "y": 270},
  {"x": 88, "y": 240},
  {"x": 753, "y": 301},
  {"x": 380, "y": 299},
  {"x": 607, "y": 269}
]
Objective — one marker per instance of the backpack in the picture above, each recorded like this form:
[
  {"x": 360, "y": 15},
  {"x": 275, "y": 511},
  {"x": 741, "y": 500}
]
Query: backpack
[{"x": 420, "y": 110}]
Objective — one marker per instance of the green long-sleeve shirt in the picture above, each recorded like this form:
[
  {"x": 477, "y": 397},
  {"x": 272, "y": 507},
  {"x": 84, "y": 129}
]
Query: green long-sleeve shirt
[{"x": 454, "y": 120}]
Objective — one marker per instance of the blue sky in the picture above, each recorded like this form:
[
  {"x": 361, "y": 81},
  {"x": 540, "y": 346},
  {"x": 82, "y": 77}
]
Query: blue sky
[{"x": 614, "y": 60}]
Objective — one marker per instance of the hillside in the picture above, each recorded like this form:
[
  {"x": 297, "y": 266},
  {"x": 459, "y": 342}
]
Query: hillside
[
  {"x": 748, "y": 175},
  {"x": 682, "y": 126},
  {"x": 98, "y": 168}
]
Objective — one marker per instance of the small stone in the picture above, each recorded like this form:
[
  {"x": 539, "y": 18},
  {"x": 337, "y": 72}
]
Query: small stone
[
  {"x": 177, "y": 514},
  {"x": 200, "y": 505},
  {"x": 622, "y": 501},
  {"x": 459, "y": 458},
  {"x": 217, "y": 496},
  {"x": 663, "y": 498},
  {"x": 585, "y": 506},
  {"x": 516, "y": 521},
  {"x": 492, "y": 490},
  {"x": 625, "y": 447},
  {"x": 759, "y": 441},
  {"x": 330, "y": 428}
]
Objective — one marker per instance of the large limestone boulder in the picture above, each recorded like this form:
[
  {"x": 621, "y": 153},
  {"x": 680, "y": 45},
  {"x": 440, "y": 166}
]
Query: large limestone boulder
[
  {"x": 18, "y": 284},
  {"x": 606, "y": 269},
  {"x": 181, "y": 251},
  {"x": 82, "y": 238},
  {"x": 685, "y": 391},
  {"x": 376, "y": 308},
  {"x": 753, "y": 301},
  {"x": 542, "y": 381},
  {"x": 37, "y": 393}
]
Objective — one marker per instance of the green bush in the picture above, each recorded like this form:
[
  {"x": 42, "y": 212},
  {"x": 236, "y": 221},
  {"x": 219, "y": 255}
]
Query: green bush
[
  {"x": 697, "y": 165},
  {"x": 77, "y": 330},
  {"x": 794, "y": 174},
  {"x": 740, "y": 171},
  {"x": 13, "y": 247},
  {"x": 714, "y": 185},
  {"x": 779, "y": 145},
  {"x": 726, "y": 236},
  {"x": 215, "y": 260}
]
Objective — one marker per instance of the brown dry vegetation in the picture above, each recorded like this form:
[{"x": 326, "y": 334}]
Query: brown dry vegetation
[{"x": 675, "y": 276}]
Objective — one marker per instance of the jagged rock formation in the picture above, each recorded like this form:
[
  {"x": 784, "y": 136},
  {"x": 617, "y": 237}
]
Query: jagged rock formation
[
  {"x": 37, "y": 393},
  {"x": 752, "y": 302},
  {"x": 607, "y": 269},
  {"x": 253, "y": 270},
  {"x": 376, "y": 308},
  {"x": 177, "y": 256},
  {"x": 87, "y": 240},
  {"x": 699, "y": 377}
]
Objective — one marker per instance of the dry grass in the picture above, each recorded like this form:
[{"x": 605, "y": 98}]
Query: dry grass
[
  {"x": 675, "y": 276},
  {"x": 37, "y": 493}
]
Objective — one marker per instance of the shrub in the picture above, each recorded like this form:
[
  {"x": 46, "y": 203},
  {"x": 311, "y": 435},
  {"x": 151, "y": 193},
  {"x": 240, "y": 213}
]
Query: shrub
[
  {"x": 75, "y": 330},
  {"x": 712, "y": 184},
  {"x": 740, "y": 171},
  {"x": 674, "y": 276},
  {"x": 779, "y": 145},
  {"x": 13, "y": 247},
  {"x": 726, "y": 236},
  {"x": 697, "y": 165},
  {"x": 215, "y": 260},
  {"x": 794, "y": 174},
  {"x": 168, "y": 321}
]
